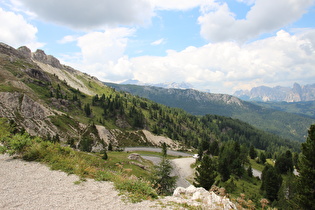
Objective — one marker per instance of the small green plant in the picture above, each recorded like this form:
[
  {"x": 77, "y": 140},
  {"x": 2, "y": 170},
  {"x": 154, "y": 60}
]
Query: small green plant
[{"x": 137, "y": 190}]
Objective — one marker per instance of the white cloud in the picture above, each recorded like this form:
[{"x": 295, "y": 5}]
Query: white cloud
[
  {"x": 226, "y": 66},
  {"x": 91, "y": 14},
  {"x": 11, "y": 32},
  {"x": 178, "y": 4},
  {"x": 218, "y": 23},
  {"x": 248, "y": 2},
  {"x": 67, "y": 39},
  {"x": 102, "y": 53},
  {"x": 158, "y": 42}
]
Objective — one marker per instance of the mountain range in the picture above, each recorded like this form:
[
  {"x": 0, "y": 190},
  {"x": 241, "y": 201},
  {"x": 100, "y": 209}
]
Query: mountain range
[
  {"x": 263, "y": 93},
  {"x": 45, "y": 98},
  {"x": 285, "y": 124},
  {"x": 181, "y": 85}
]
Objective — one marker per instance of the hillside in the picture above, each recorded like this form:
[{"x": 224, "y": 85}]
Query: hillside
[
  {"x": 303, "y": 108},
  {"x": 54, "y": 101},
  {"x": 285, "y": 124}
]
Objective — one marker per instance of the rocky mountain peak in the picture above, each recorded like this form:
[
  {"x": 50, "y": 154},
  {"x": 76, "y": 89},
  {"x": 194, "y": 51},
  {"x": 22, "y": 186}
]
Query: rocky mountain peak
[
  {"x": 25, "y": 52},
  {"x": 295, "y": 94},
  {"x": 41, "y": 56},
  {"x": 12, "y": 52}
]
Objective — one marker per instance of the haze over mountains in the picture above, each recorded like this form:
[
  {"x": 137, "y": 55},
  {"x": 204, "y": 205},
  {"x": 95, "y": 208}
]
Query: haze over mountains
[{"x": 181, "y": 85}]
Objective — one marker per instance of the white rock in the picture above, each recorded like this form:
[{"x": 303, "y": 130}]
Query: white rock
[
  {"x": 178, "y": 191},
  {"x": 191, "y": 190}
]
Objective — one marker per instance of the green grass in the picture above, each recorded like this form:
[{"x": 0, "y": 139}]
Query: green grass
[{"x": 255, "y": 165}]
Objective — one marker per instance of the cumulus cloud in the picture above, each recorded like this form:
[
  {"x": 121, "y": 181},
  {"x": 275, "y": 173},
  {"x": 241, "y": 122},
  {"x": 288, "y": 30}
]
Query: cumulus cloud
[
  {"x": 91, "y": 14},
  {"x": 218, "y": 23},
  {"x": 11, "y": 32},
  {"x": 178, "y": 4},
  {"x": 279, "y": 60},
  {"x": 102, "y": 53}
]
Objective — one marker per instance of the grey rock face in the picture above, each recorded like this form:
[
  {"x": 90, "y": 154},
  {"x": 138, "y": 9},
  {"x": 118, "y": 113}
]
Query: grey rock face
[
  {"x": 41, "y": 56},
  {"x": 295, "y": 94},
  {"x": 25, "y": 52}
]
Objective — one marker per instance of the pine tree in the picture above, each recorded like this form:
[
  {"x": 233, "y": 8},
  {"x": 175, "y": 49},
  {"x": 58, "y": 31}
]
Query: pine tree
[
  {"x": 164, "y": 149},
  {"x": 214, "y": 148},
  {"x": 306, "y": 179},
  {"x": 250, "y": 171},
  {"x": 105, "y": 156},
  {"x": 271, "y": 182},
  {"x": 205, "y": 173},
  {"x": 163, "y": 181},
  {"x": 284, "y": 163},
  {"x": 110, "y": 147},
  {"x": 252, "y": 152},
  {"x": 262, "y": 157}
]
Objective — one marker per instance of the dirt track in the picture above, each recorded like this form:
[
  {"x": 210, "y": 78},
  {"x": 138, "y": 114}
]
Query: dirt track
[{"x": 31, "y": 185}]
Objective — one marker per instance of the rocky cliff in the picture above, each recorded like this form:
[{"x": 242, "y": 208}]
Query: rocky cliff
[{"x": 295, "y": 94}]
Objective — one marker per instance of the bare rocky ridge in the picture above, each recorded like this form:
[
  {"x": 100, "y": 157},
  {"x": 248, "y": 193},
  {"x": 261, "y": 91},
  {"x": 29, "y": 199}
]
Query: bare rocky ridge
[
  {"x": 34, "y": 115},
  {"x": 295, "y": 94}
]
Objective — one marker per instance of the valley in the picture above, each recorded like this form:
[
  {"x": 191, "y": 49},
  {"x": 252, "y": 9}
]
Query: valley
[{"x": 71, "y": 121}]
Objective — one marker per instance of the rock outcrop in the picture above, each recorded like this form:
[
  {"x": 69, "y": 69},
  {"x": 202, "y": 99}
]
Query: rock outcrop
[
  {"x": 41, "y": 56},
  {"x": 200, "y": 198},
  {"x": 28, "y": 113}
]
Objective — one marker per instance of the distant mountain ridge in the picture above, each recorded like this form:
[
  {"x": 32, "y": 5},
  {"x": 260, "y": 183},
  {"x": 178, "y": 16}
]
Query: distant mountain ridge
[
  {"x": 263, "y": 93},
  {"x": 181, "y": 85},
  {"x": 285, "y": 124}
]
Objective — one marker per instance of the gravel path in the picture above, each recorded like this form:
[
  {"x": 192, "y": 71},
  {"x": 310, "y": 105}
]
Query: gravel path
[
  {"x": 153, "y": 149},
  {"x": 31, "y": 185},
  {"x": 183, "y": 170}
]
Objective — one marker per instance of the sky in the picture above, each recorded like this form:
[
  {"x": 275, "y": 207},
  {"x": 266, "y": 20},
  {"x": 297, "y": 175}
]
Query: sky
[{"x": 214, "y": 45}]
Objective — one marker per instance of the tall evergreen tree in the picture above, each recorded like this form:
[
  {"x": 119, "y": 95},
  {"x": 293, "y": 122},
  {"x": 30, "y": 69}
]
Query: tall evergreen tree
[
  {"x": 262, "y": 157},
  {"x": 252, "y": 152},
  {"x": 284, "y": 162},
  {"x": 306, "y": 179},
  {"x": 164, "y": 149},
  {"x": 163, "y": 181},
  {"x": 205, "y": 173},
  {"x": 271, "y": 182},
  {"x": 214, "y": 148}
]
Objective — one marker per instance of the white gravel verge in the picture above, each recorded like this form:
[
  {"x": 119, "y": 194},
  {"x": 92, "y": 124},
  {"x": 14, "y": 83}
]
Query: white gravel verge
[{"x": 31, "y": 185}]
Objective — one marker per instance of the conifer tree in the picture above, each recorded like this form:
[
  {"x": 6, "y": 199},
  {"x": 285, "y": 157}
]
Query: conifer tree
[
  {"x": 252, "y": 152},
  {"x": 105, "y": 156},
  {"x": 164, "y": 149},
  {"x": 163, "y": 181},
  {"x": 205, "y": 173},
  {"x": 250, "y": 171},
  {"x": 271, "y": 182},
  {"x": 306, "y": 179}
]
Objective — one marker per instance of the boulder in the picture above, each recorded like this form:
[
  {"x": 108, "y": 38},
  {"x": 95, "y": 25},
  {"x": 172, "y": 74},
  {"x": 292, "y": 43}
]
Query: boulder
[{"x": 135, "y": 156}]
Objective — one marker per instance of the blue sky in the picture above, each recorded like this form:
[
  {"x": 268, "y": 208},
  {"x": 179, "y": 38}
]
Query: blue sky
[{"x": 215, "y": 45}]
